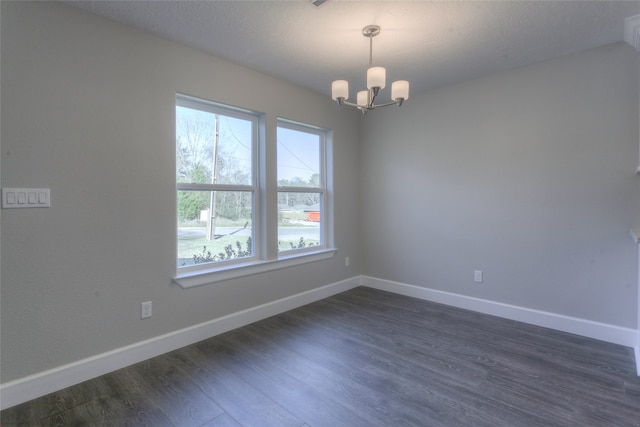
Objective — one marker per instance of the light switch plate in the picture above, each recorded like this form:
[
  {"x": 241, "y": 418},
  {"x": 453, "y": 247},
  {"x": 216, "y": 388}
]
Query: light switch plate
[{"x": 13, "y": 198}]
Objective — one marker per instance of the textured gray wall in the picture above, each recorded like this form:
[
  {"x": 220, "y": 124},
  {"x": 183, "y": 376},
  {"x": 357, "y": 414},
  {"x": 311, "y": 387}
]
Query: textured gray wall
[
  {"x": 88, "y": 110},
  {"x": 527, "y": 175}
]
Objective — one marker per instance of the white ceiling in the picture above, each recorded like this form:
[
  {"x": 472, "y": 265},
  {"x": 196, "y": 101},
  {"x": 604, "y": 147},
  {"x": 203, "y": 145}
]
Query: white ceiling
[{"x": 431, "y": 44}]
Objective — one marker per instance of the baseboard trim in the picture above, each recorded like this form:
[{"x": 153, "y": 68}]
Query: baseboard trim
[
  {"x": 587, "y": 328},
  {"x": 24, "y": 389}
]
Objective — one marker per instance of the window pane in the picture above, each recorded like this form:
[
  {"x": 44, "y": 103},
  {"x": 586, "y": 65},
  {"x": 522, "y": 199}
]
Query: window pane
[
  {"x": 298, "y": 158},
  {"x": 205, "y": 139},
  {"x": 195, "y": 132},
  {"x": 234, "y": 153},
  {"x": 203, "y": 238},
  {"x": 299, "y": 219}
]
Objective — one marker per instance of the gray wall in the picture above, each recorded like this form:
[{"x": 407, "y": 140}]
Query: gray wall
[
  {"x": 527, "y": 175},
  {"x": 88, "y": 110}
]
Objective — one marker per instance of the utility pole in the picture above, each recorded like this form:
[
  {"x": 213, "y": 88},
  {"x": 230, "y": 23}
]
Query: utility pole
[{"x": 211, "y": 226}]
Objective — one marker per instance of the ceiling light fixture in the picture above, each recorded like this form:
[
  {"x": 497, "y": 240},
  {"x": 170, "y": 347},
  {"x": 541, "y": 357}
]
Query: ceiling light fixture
[{"x": 376, "y": 80}]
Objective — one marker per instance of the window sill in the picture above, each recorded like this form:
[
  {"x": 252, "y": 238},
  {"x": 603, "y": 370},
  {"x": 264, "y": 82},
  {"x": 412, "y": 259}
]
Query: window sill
[{"x": 205, "y": 277}]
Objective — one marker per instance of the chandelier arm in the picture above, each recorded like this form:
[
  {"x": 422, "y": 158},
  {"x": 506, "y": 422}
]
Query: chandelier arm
[
  {"x": 372, "y": 96},
  {"x": 369, "y": 107},
  {"x": 386, "y": 104},
  {"x": 350, "y": 104}
]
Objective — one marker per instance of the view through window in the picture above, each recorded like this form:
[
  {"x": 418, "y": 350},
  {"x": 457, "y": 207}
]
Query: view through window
[
  {"x": 216, "y": 189},
  {"x": 221, "y": 200},
  {"x": 301, "y": 187}
]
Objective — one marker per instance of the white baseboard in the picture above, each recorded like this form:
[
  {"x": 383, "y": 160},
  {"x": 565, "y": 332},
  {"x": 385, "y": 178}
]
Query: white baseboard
[
  {"x": 24, "y": 389},
  {"x": 587, "y": 328}
]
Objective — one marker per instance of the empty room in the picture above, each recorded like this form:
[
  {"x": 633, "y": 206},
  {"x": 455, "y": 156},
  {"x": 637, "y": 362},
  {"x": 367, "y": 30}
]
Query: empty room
[{"x": 320, "y": 213}]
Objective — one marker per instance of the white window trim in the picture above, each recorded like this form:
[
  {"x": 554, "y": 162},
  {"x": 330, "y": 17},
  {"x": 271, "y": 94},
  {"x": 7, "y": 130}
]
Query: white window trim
[
  {"x": 323, "y": 190},
  {"x": 218, "y": 272},
  {"x": 215, "y": 274},
  {"x": 216, "y": 108}
]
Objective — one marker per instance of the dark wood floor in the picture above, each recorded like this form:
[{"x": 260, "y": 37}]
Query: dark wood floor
[{"x": 362, "y": 358}]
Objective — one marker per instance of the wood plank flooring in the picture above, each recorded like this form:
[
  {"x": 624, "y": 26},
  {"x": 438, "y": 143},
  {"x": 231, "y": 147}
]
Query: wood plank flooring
[{"x": 362, "y": 358}]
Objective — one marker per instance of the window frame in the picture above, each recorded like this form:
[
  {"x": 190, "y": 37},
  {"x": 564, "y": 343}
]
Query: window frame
[
  {"x": 322, "y": 187},
  {"x": 266, "y": 256},
  {"x": 223, "y": 110}
]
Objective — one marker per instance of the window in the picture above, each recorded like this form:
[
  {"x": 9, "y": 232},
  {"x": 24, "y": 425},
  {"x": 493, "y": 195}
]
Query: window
[
  {"x": 216, "y": 183},
  {"x": 227, "y": 211},
  {"x": 301, "y": 187}
]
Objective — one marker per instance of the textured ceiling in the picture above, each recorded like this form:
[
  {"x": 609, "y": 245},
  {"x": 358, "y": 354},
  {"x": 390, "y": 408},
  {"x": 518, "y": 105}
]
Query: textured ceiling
[{"x": 431, "y": 44}]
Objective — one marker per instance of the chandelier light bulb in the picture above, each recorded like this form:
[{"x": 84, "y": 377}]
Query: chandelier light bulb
[
  {"x": 400, "y": 90},
  {"x": 363, "y": 98},
  {"x": 340, "y": 90},
  {"x": 376, "y": 77}
]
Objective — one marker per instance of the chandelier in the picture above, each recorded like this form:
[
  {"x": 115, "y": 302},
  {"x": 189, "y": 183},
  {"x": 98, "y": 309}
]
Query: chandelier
[{"x": 376, "y": 80}]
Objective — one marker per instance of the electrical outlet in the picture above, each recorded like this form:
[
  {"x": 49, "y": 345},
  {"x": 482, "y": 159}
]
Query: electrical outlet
[
  {"x": 145, "y": 310},
  {"x": 477, "y": 276},
  {"x": 347, "y": 263}
]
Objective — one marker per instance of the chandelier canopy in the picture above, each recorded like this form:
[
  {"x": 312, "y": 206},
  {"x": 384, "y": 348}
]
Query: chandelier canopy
[{"x": 376, "y": 80}]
